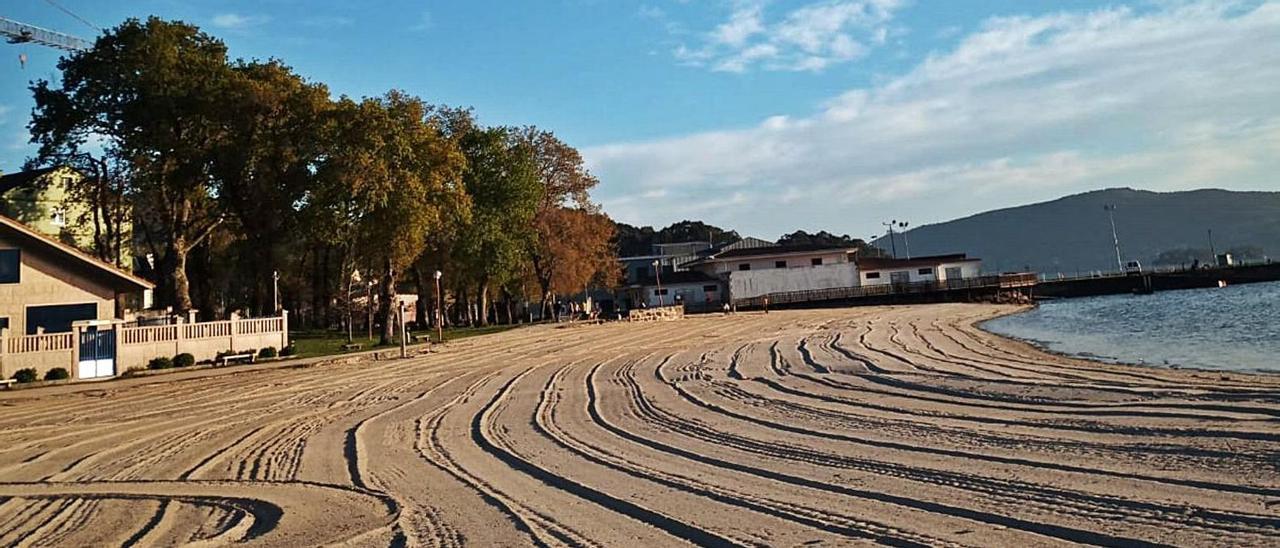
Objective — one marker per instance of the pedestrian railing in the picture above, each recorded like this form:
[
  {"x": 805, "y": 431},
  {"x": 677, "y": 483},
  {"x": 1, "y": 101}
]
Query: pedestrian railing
[{"x": 1002, "y": 281}]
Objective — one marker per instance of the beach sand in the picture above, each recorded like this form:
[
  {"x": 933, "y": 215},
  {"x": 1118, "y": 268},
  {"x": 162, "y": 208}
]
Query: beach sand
[{"x": 897, "y": 425}]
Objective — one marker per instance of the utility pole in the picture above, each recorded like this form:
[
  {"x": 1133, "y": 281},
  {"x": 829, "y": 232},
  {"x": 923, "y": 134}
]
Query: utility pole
[
  {"x": 1115, "y": 237},
  {"x": 275, "y": 291},
  {"x": 893, "y": 244},
  {"x": 368, "y": 302},
  {"x": 439, "y": 310},
  {"x": 657, "y": 275}
]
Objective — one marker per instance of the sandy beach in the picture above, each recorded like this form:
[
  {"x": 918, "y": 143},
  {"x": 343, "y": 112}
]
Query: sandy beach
[{"x": 893, "y": 425}]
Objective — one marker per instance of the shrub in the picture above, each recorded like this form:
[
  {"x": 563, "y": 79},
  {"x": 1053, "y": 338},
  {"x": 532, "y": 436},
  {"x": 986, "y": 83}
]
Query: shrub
[
  {"x": 184, "y": 360},
  {"x": 134, "y": 371},
  {"x": 289, "y": 350},
  {"x": 57, "y": 374},
  {"x": 25, "y": 375},
  {"x": 268, "y": 352},
  {"x": 160, "y": 363}
]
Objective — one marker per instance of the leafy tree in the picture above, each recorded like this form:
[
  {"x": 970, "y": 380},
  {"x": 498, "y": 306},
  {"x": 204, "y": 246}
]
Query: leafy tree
[
  {"x": 503, "y": 184},
  {"x": 825, "y": 238},
  {"x": 387, "y": 180},
  {"x": 275, "y": 125},
  {"x": 147, "y": 94},
  {"x": 633, "y": 241}
]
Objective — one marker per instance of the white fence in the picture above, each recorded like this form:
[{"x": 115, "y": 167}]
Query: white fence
[{"x": 136, "y": 346}]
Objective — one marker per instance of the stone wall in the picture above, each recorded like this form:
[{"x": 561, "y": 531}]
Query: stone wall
[{"x": 657, "y": 313}]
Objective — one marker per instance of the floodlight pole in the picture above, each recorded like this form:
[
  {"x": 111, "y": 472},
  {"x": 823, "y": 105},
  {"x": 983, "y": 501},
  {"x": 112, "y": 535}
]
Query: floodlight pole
[
  {"x": 439, "y": 310},
  {"x": 1115, "y": 236},
  {"x": 893, "y": 244},
  {"x": 657, "y": 275}
]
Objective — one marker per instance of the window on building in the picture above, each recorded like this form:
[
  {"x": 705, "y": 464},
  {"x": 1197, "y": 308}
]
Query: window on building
[
  {"x": 954, "y": 273},
  {"x": 711, "y": 288},
  {"x": 744, "y": 266},
  {"x": 925, "y": 271},
  {"x": 659, "y": 292},
  {"x": 780, "y": 264},
  {"x": 58, "y": 318},
  {"x": 4, "y": 323},
  {"x": 816, "y": 261},
  {"x": 873, "y": 275},
  {"x": 59, "y": 217},
  {"x": 67, "y": 180},
  {"x": 10, "y": 266}
]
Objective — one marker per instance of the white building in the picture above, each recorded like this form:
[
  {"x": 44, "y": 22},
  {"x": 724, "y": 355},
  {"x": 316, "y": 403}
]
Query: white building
[
  {"x": 938, "y": 268},
  {"x": 755, "y": 271},
  {"x": 692, "y": 288}
]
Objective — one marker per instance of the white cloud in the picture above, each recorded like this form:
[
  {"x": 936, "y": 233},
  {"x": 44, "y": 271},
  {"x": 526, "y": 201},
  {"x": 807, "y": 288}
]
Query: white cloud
[
  {"x": 425, "y": 22},
  {"x": 809, "y": 38},
  {"x": 235, "y": 21},
  {"x": 1024, "y": 108}
]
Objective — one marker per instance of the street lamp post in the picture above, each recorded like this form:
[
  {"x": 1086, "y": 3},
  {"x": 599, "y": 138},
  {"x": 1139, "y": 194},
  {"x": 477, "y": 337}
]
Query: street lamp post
[
  {"x": 368, "y": 301},
  {"x": 439, "y": 310},
  {"x": 275, "y": 291},
  {"x": 893, "y": 244},
  {"x": 657, "y": 275},
  {"x": 1115, "y": 236}
]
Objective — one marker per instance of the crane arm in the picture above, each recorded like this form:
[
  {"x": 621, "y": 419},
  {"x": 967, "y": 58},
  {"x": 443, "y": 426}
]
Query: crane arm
[{"x": 19, "y": 33}]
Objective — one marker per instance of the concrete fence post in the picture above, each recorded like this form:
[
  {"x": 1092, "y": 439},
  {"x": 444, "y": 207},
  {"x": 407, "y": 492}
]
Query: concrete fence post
[
  {"x": 284, "y": 329},
  {"x": 235, "y": 322},
  {"x": 76, "y": 331},
  {"x": 179, "y": 335},
  {"x": 4, "y": 351}
]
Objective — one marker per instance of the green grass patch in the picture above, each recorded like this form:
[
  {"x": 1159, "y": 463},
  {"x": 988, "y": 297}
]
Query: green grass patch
[{"x": 326, "y": 343}]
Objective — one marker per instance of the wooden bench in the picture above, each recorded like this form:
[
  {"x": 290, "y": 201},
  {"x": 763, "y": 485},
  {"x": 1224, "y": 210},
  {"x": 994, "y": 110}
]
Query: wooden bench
[
  {"x": 227, "y": 358},
  {"x": 352, "y": 346}
]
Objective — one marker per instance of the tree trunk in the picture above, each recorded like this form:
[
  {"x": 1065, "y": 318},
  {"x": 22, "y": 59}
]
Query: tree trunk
[
  {"x": 175, "y": 273},
  {"x": 482, "y": 299},
  {"x": 420, "y": 308},
  {"x": 387, "y": 307}
]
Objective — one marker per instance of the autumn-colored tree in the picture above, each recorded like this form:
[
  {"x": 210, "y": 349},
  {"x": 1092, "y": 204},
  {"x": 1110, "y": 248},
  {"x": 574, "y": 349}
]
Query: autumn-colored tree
[
  {"x": 147, "y": 93},
  {"x": 574, "y": 240}
]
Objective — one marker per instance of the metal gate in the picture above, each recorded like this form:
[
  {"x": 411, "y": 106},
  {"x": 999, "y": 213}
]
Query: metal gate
[{"x": 97, "y": 353}]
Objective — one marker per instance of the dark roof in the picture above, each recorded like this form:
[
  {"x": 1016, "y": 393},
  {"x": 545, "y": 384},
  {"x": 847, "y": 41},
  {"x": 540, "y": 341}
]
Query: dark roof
[
  {"x": 878, "y": 263},
  {"x": 22, "y": 178},
  {"x": 123, "y": 280},
  {"x": 681, "y": 277},
  {"x": 777, "y": 250}
]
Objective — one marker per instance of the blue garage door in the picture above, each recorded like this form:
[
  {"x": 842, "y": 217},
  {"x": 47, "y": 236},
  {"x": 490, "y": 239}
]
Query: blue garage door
[{"x": 58, "y": 318}]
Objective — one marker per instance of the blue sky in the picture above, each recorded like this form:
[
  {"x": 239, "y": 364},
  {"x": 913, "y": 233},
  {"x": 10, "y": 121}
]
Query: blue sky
[{"x": 768, "y": 116}]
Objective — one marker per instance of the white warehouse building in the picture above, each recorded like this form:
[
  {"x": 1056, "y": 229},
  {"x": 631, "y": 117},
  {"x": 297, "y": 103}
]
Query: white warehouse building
[
  {"x": 937, "y": 268},
  {"x": 756, "y": 271}
]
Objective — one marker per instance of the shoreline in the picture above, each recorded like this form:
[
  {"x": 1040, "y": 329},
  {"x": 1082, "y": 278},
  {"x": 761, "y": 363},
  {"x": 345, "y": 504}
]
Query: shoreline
[{"x": 1043, "y": 347}]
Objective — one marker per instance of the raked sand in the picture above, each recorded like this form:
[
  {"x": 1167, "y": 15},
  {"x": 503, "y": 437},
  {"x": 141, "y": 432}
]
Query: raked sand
[{"x": 895, "y": 425}]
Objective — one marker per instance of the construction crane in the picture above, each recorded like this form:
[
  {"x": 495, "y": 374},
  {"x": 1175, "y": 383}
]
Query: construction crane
[{"x": 22, "y": 33}]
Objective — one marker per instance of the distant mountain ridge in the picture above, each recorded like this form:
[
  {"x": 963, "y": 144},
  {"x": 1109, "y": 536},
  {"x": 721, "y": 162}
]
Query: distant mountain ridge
[{"x": 1072, "y": 234}]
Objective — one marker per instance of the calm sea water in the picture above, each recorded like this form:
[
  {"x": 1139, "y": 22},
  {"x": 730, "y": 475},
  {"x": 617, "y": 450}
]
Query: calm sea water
[{"x": 1236, "y": 327}]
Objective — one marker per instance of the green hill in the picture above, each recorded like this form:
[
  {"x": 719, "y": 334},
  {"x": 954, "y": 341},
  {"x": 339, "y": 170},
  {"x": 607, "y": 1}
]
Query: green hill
[{"x": 1073, "y": 234}]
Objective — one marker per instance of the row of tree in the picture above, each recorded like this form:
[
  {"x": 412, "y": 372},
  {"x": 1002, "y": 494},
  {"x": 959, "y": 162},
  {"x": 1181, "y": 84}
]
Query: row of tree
[{"x": 224, "y": 173}]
